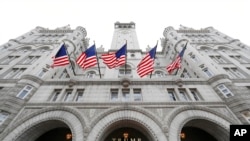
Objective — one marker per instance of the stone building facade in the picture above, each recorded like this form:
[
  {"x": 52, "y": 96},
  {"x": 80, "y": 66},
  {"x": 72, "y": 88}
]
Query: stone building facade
[{"x": 198, "y": 102}]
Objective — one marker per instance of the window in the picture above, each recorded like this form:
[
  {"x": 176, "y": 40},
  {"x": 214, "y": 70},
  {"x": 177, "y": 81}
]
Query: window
[
  {"x": 56, "y": 94},
  {"x": 159, "y": 74},
  {"x": 195, "y": 94},
  {"x": 91, "y": 74},
  {"x": 185, "y": 74},
  {"x": 42, "y": 72},
  {"x": 171, "y": 94},
  {"x": 234, "y": 73},
  {"x": 137, "y": 95},
  {"x": 225, "y": 91},
  {"x": 183, "y": 95},
  {"x": 125, "y": 94},
  {"x": 208, "y": 72},
  {"x": 194, "y": 58},
  {"x": 8, "y": 59},
  {"x": 128, "y": 70},
  {"x": 3, "y": 116},
  {"x": 239, "y": 59},
  {"x": 79, "y": 94},
  {"x": 246, "y": 114},
  {"x": 24, "y": 92},
  {"x": 68, "y": 95},
  {"x": 15, "y": 73},
  {"x": 114, "y": 94},
  {"x": 30, "y": 59}
]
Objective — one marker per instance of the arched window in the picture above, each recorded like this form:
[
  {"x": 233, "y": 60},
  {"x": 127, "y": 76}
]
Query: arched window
[
  {"x": 125, "y": 70},
  {"x": 160, "y": 74},
  {"x": 90, "y": 74}
]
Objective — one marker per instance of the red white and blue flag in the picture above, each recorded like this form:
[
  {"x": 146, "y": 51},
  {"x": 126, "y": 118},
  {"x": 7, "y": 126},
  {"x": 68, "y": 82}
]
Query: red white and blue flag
[
  {"x": 176, "y": 64},
  {"x": 115, "y": 59},
  {"x": 61, "y": 58},
  {"x": 88, "y": 58},
  {"x": 146, "y": 65}
]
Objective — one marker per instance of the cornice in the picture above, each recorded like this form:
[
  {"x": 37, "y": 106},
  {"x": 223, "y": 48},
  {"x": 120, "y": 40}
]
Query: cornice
[
  {"x": 192, "y": 31},
  {"x": 56, "y": 31},
  {"x": 105, "y": 105},
  {"x": 163, "y": 81}
]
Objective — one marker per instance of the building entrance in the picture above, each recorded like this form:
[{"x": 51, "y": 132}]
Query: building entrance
[
  {"x": 126, "y": 134},
  {"x": 58, "y": 134}
]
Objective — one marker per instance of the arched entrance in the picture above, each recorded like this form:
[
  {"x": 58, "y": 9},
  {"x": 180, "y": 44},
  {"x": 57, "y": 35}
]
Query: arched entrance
[
  {"x": 126, "y": 130},
  {"x": 53, "y": 130},
  {"x": 36, "y": 125},
  {"x": 117, "y": 121},
  {"x": 57, "y": 134},
  {"x": 200, "y": 129},
  {"x": 195, "y": 122}
]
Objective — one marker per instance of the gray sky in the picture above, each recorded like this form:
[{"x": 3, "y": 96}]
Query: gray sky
[{"x": 151, "y": 17}]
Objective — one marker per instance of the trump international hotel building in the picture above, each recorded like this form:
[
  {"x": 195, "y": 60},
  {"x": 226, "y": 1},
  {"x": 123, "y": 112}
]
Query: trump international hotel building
[{"x": 210, "y": 92}]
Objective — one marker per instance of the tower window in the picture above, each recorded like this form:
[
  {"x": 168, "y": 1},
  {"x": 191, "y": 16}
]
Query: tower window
[
  {"x": 225, "y": 91},
  {"x": 3, "y": 116},
  {"x": 25, "y": 92}
]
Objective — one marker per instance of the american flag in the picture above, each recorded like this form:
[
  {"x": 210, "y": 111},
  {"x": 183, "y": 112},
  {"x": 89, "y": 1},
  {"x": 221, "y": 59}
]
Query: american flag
[
  {"x": 61, "y": 58},
  {"x": 115, "y": 59},
  {"x": 88, "y": 58},
  {"x": 176, "y": 64},
  {"x": 146, "y": 65}
]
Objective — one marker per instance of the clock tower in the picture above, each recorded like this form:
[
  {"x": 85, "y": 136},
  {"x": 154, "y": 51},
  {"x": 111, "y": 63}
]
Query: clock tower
[{"x": 123, "y": 32}]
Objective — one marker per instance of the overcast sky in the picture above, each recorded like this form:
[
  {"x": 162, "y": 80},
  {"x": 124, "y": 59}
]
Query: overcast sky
[{"x": 231, "y": 17}]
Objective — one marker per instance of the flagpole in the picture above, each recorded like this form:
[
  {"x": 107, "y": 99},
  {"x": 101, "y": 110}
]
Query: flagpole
[
  {"x": 69, "y": 59},
  {"x": 154, "y": 57},
  {"x": 97, "y": 61},
  {"x": 181, "y": 60},
  {"x": 126, "y": 58}
]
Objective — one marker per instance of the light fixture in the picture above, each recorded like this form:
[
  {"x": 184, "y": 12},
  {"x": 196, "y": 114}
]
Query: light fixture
[
  {"x": 125, "y": 135},
  {"x": 68, "y": 136},
  {"x": 182, "y": 135}
]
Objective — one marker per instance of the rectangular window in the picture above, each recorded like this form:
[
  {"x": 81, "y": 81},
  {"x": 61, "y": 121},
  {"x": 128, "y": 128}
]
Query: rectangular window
[
  {"x": 183, "y": 95},
  {"x": 234, "y": 73},
  {"x": 68, "y": 95},
  {"x": 79, "y": 94},
  {"x": 239, "y": 59},
  {"x": 208, "y": 72},
  {"x": 42, "y": 73},
  {"x": 8, "y": 59},
  {"x": 195, "y": 94},
  {"x": 30, "y": 59},
  {"x": 3, "y": 116},
  {"x": 137, "y": 95},
  {"x": 56, "y": 94},
  {"x": 15, "y": 73},
  {"x": 225, "y": 91},
  {"x": 24, "y": 92},
  {"x": 114, "y": 94},
  {"x": 125, "y": 94},
  {"x": 171, "y": 94}
]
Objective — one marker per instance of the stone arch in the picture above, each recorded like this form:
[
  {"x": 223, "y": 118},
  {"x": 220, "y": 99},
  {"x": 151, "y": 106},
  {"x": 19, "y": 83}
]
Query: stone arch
[
  {"x": 183, "y": 115},
  {"x": 44, "y": 47},
  {"x": 149, "y": 124},
  {"x": 223, "y": 47},
  {"x": 203, "y": 47},
  {"x": 33, "y": 124}
]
